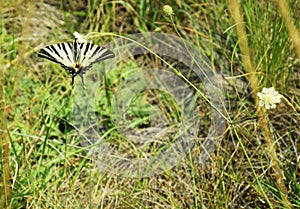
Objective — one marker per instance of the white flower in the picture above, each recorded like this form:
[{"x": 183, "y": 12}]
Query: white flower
[
  {"x": 79, "y": 37},
  {"x": 168, "y": 10},
  {"x": 269, "y": 98}
]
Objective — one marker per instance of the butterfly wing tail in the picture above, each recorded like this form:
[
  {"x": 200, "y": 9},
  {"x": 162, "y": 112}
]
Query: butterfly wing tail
[{"x": 82, "y": 80}]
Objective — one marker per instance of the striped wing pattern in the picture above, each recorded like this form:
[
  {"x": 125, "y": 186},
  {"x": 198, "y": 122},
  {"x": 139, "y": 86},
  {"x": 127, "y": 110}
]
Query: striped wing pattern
[{"x": 75, "y": 57}]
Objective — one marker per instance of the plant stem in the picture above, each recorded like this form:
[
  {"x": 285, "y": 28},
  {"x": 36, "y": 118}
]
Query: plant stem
[
  {"x": 4, "y": 143},
  {"x": 234, "y": 6},
  {"x": 285, "y": 12}
]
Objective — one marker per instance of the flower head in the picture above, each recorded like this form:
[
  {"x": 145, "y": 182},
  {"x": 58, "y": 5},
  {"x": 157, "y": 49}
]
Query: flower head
[
  {"x": 79, "y": 37},
  {"x": 269, "y": 98},
  {"x": 168, "y": 10}
]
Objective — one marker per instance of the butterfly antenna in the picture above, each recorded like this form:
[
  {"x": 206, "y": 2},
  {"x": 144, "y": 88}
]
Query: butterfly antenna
[{"x": 82, "y": 81}]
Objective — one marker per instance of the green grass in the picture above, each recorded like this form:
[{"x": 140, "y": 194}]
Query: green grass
[{"x": 48, "y": 166}]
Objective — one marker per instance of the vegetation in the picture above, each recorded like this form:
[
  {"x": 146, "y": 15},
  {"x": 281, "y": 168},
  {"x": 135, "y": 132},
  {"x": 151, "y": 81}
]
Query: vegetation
[{"x": 116, "y": 144}]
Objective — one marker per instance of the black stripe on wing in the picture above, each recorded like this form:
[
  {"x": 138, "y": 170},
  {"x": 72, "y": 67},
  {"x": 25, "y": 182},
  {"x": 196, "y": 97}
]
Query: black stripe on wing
[
  {"x": 105, "y": 54},
  {"x": 44, "y": 54}
]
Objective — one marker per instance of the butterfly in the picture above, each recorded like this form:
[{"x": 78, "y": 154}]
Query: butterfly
[{"x": 76, "y": 57}]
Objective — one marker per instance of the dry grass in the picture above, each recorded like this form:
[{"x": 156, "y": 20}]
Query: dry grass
[{"x": 49, "y": 168}]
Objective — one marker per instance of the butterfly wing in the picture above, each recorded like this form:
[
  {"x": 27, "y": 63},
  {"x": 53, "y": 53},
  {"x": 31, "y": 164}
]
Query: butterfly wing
[
  {"x": 91, "y": 54},
  {"x": 61, "y": 53}
]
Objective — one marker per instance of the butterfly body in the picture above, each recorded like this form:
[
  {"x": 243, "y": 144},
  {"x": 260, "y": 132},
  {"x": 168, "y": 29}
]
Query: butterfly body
[{"x": 75, "y": 57}]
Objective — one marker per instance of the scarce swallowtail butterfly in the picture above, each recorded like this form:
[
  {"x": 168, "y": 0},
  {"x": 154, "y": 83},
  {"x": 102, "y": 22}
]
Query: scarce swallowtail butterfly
[{"x": 76, "y": 57}]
